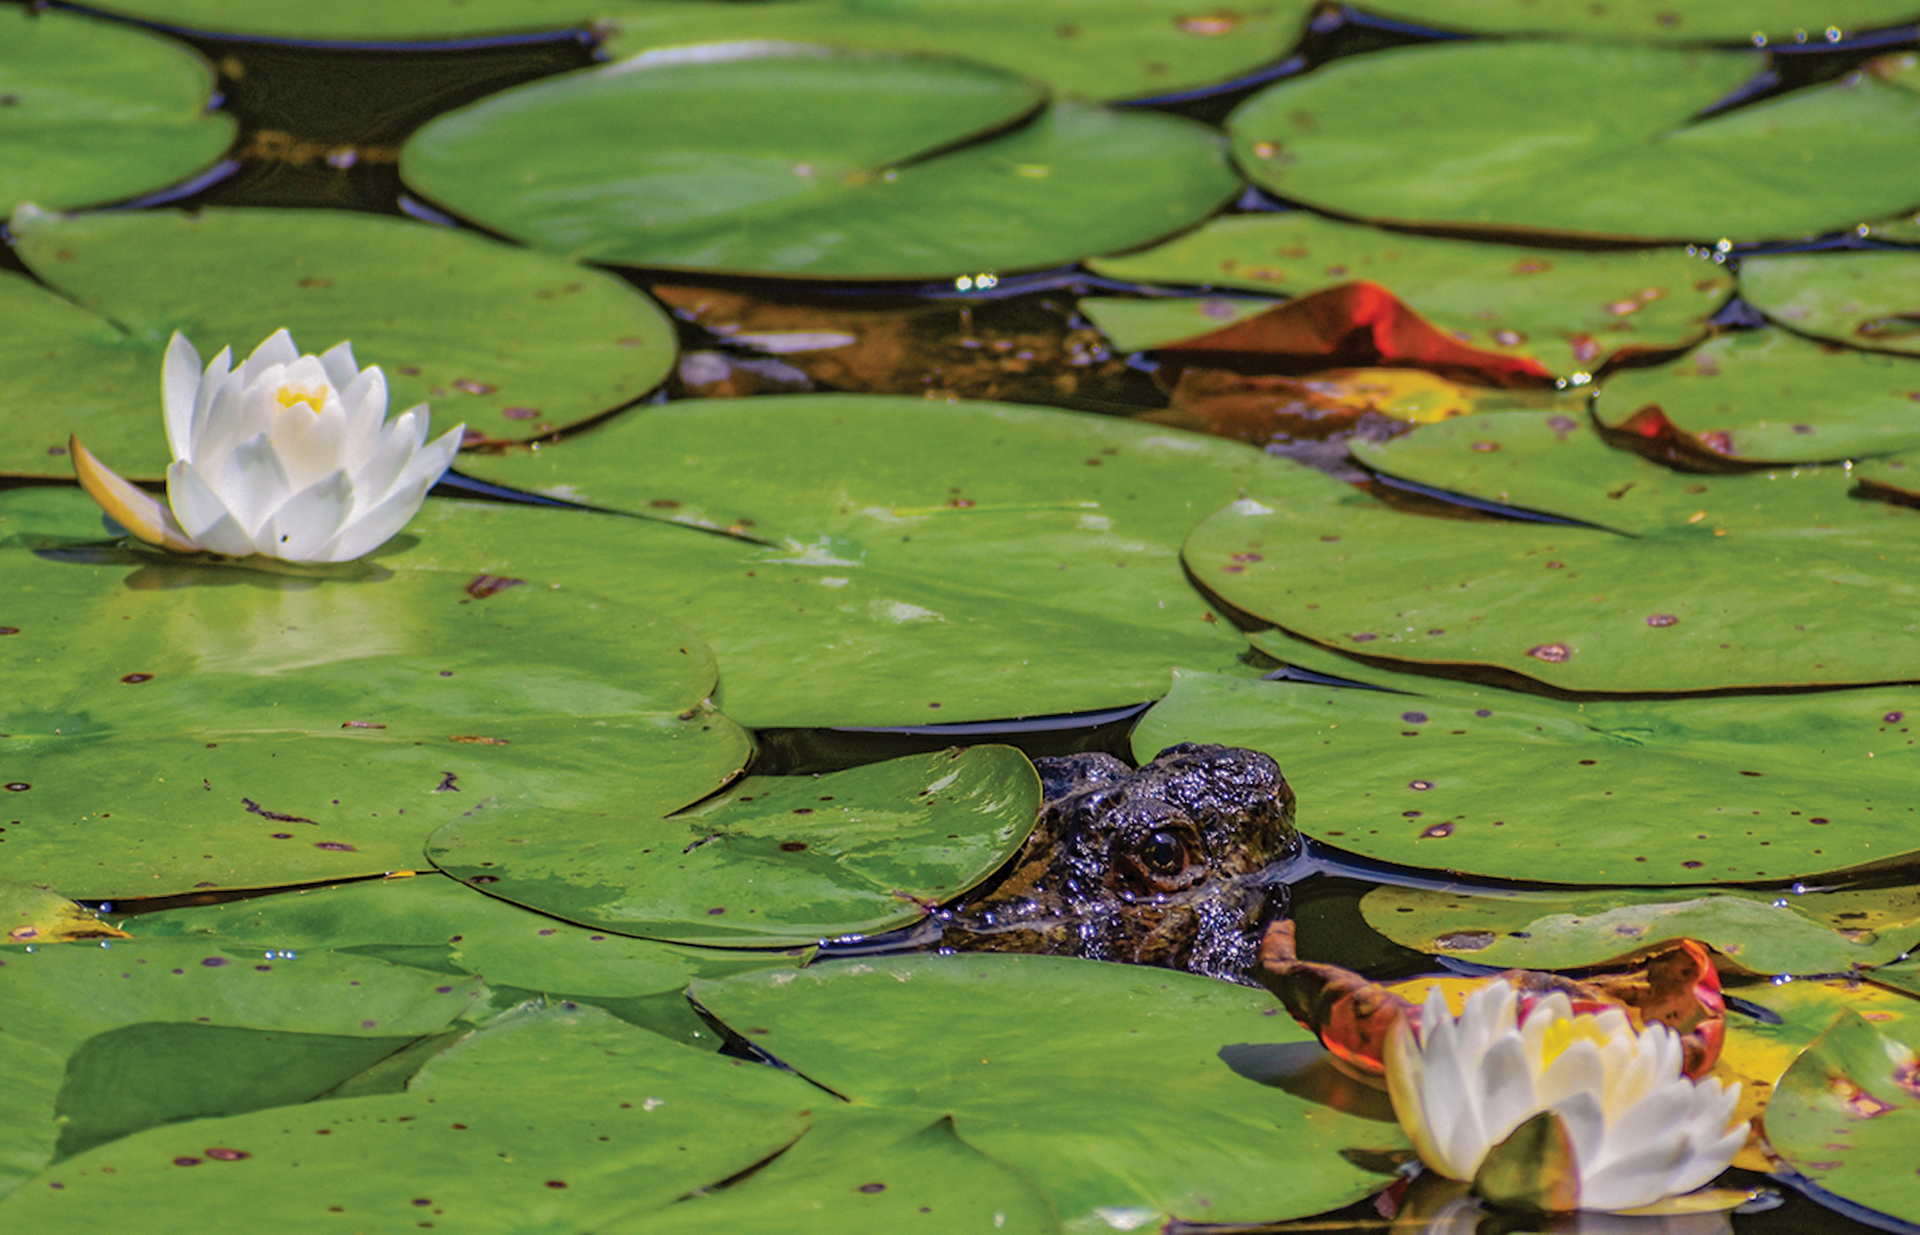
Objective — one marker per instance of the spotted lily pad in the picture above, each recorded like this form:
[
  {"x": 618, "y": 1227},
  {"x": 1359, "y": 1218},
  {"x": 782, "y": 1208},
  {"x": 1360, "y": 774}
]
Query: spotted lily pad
[
  {"x": 775, "y": 158},
  {"x": 331, "y": 724},
  {"x": 95, "y": 111},
  {"x": 1095, "y": 49},
  {"x": 1494, "y": 784},
  {"x": 1220, "y": 1084},
  {"x": 1761, "y": 932},
  {"x": 1764, "y": 396},
  {"x": 580, "y": 1119},
  {"x": 987, "y": 554},
  {"x": 435, "y": 922},
  {"x": 60, "y": 998},
  {"x": 510, "y": 342},
  {"x": 1847, "y": 1113},
  {"x": 1616, "y": 131},
  {"x": 1655, "y": 21},
  {"x": 778, "y": 861},
  {"x": 1731, "y": 592},
  {"x": 1568, "y": 310},
  {"x": 1869, "y": 299}
]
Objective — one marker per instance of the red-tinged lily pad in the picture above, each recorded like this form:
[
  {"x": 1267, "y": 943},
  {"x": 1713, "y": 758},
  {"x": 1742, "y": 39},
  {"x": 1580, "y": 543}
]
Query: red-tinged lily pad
[
  {"x": 1351, "y": 324},
  {"x": 1847, "y": 1114},
  {"x": 1766, "y": 579},
  {"x": 1570, "y": 311},
  {"x": 1765, "y": 396}
]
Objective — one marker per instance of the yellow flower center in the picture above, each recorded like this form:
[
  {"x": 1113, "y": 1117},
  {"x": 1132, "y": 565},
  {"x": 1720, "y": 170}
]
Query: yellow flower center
[
  {"x": 314, "y": 399},
  {"x": 1562, "y": 1034}
]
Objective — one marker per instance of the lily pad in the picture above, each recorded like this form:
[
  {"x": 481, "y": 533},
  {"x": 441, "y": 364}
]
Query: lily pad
[
  {"x": 1568, "y": 310},
  {"x": 96, "y": 111},
  {"x": 1869, "y": 299},
  {"x": 1761, "y": 932},
  {"x": 1764, "y": 396},
  {"x": 369, "y": 20},
  {"x": 779, "y": 861},
  {"x": 1733, "y": 593},
  {"x": 1499, "y": 785},
  {"x": 777, "y": 159},
  {"x": 62, "y": 997},
  {"x": 1616, "y": 131},
  {"x": 1094, "y": 49},
  {"x": 432, "y": 920},
  {"x": 1220, "y": 1085},
  {"x": 508, "y": 341},
  {"x": 1846, "y": 1115},
  {"x": 1655, "y": 21},
  {"x": 531, "y": 1096},
  {"x": 334, "y": 722}
]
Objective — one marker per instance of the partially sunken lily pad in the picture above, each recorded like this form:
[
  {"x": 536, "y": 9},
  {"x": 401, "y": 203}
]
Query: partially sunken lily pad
[
  {"x": 1570, "y": 311},
  {"x": 1508, "y": 786},
  {"x": 331, "y": 723},
  {"x": 61, "y": 998},
  {"x": 532, "y": 1096},
  {"x": 1846, "y": 1115},
  {"x": 1655, "y": 21},
  {"x": 1761, "y": 932},
  {"x": 795, "y": 159},
  {"x": 1764, "y": 396},
  {"x": 1732, "y": 592},
  {"x": 781, "y": 860},
  {"x": 1869, "y": 299},
  {"x": 511, "y": 342},
  {"x": 1219, "y": 1087},
  {"x": 96, "y": 111},
  {"x": 1094, "y": 49},
  {"x": 808, "y": 638},
  {"x": 1612, "y": 129}
]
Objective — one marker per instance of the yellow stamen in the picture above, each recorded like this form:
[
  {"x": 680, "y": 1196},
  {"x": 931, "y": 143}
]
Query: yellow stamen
[{"x": 314, "y": 399}]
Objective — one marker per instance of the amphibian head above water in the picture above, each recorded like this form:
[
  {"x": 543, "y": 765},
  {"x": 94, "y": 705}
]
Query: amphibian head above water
[{"x": 1158, "y": 866}]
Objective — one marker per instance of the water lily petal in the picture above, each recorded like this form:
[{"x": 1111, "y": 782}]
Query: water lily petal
[
  {"x": 365, "y": 401},
  {"x": 251, "y": 483},
  {"x": 1507, "y": 1095},
  {"x": 339, "y": 363},
  {"x": 1405, "y": 1071},
  {"x": 180, "y": 393},
  {"x": 201, "y": 511},
  {"x": 433, "y": 459},
  {"x": 372, "y": 528},
  {"x": 309, "y": 521},
  {"x": 309, "y": 446},
  {"x": 134, "y": 510},
  {"x": 278, "y": 349}
]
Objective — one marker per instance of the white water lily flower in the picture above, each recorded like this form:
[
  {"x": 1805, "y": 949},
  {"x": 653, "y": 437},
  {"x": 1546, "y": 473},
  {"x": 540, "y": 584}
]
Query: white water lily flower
[
  {"x": 1638, "y": 1129},
  {"x": 290, "y": 456}
]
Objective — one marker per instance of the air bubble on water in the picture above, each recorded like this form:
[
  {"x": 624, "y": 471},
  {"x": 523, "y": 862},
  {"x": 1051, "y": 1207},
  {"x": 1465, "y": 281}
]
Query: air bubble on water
[
  {"x": 1798, "y": 889},
  {"x": 1781, "y": 903},
  {"x": 1781, "y": 979}
]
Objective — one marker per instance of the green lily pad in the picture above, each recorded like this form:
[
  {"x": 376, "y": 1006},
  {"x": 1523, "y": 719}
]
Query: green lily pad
[
  {"x": 860, "y": 1169},
  {"x": 1760, "y": 932},
  {"x": 1022, "y": 1053},
  {"x": 436, "y": 920},
  {"x": 1846, "y": 1115},
  {"x": 1869, "y": 299},
  {"x": 1138, "y": 325},
  {"x": 1734, "y": 593},
  {"x": 776, "y": 159},
  {"x": 334, "y": 722},
  {"x": 1612, "y": 129},
  {"x": 1095, "y": 49},
  {"x": 97, "y": 111},
  {"x": 66, "y": 1000},
  {"x": 1568, "y": 310},
  {"x": 1655, "y": 21},
  {"x": 1890, "y": 479},
  {"x": 370, "y": 20},
  {"x": 1603, "y": 792},
  {"x": 573, "y": 1118},
  {"x": 509, "y": 341},
  {"x": 779, "y": 861},
  {"x": 1764, "y": 396}
]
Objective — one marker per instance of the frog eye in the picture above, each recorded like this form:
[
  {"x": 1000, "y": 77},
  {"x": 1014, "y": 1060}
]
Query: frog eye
[{"x": 1164, "y": 853}]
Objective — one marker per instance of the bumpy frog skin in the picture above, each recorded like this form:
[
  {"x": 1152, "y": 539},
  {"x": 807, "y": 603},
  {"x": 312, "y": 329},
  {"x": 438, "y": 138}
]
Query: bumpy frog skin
[{"x": 1158, "y": 866}]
